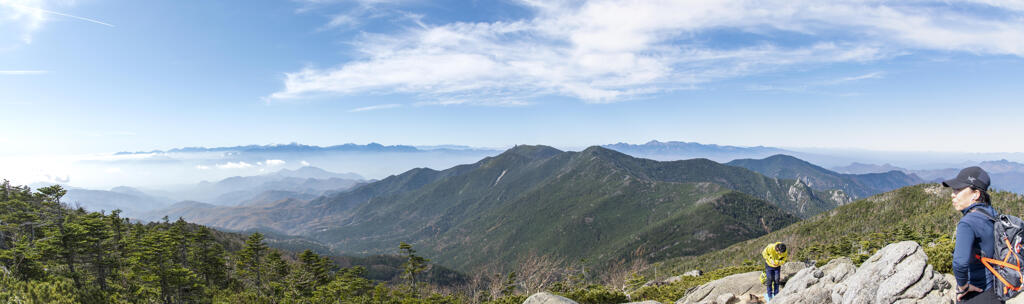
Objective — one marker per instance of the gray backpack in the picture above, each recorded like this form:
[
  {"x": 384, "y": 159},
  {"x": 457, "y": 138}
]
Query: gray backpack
[{"x": 1009, "y": 255}]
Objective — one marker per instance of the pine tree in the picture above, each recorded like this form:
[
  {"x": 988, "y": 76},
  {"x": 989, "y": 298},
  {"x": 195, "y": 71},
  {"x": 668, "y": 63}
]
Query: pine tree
[
  {"x": 312, "y": 272},
  {"x": 154, "y": 263},
  {"x": 349, "y": 284},
  {"x": 250, "y": 261},
  {"x": 99, "y": 245},
  {"x": 206, "y": 257},
  {"x": 414, "y": 264}
]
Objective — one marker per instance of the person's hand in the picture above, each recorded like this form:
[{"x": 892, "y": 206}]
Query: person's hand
[{"x": 964, "y": 290}]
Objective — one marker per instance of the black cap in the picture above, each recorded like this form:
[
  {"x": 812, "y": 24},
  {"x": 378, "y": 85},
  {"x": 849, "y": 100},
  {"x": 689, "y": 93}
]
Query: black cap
[{"x": 969, "y": 177}]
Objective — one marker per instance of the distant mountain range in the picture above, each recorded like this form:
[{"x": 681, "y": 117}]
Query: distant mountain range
[
  {"x": 130, "y": 201},
  {"x": 302, "y": 183},
  {"x": 676, "y": 150},
  {"x": 295, "y": 147},
  {"x": 861, "y": 168},
  {"x": 239, "y": 189},
  {"x": 1006, "y": 175},
  {"x": 856, "y": 185},
  {"x": 594, "y": 203}
]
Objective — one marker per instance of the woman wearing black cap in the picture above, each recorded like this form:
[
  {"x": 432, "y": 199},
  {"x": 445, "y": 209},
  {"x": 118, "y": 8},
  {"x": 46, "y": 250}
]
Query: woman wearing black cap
[{"x": 974, "y": 236}]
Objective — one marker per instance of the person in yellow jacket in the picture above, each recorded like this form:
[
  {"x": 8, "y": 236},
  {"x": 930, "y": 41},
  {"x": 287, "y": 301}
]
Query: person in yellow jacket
[{"x": 774, "y": 256}]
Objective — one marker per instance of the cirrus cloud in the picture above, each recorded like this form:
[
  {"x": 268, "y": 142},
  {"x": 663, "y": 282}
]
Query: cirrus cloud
[{"x": 613, "y": 50}]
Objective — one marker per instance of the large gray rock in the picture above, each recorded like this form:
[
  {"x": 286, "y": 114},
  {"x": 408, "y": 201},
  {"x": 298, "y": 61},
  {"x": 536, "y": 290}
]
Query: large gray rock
[
  {"x": 814, "y": 285},
  {"x": 898, "y": 273},
  {"x": 727, "y": 299},
  {"x": 645, "y": 302},
  {"x": 548, "y": 298},
  {"x": 737, "y": 284},
  {"x": 789, "y": 269}
]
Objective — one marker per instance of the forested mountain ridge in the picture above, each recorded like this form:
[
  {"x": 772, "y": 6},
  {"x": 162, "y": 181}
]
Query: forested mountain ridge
[{"x": 608, "y": 201}]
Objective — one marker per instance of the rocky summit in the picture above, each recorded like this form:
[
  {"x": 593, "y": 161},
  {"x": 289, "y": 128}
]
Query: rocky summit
[{"x": 898, "y": 273}]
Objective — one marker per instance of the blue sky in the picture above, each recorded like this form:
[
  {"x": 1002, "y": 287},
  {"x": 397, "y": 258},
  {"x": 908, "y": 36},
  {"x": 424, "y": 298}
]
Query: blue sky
[{"x": 95, "y": 76}]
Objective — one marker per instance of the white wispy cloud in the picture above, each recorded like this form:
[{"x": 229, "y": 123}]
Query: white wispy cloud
[
  {"x": 201, "y": 167},
  {"x": 872, "y": 75},
  {"x": 815, "y": 86},
  {"x": 304, "y": 163},
  {"x": 22, "y": 72},
  {"x": 611, "y": 50},
  {"x": 274, "y": 162},
  {"x": 495, "y": 102},
  {"x": 376, "y": 107},
  {"x": 234, "y": 165}
]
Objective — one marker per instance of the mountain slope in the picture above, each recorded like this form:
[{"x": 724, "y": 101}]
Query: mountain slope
[
  {"x": 595, "y": 203},
  {"x": 922, "y": 210},
  {"x": 856, "y": 185}
]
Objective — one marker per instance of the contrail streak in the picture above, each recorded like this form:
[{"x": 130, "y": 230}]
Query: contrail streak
[
  {"x": 60, "y": 14},
  {"x": 21, "y": 72}
]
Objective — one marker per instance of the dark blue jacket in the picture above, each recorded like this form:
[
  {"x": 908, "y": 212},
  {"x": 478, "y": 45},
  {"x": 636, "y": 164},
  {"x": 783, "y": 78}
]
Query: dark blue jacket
[{"x": 974, "y": 236}]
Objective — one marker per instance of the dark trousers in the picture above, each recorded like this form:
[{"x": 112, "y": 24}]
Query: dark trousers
[
  {"x": 984, "y": 297},
  {"x": 772, "y": 279}
]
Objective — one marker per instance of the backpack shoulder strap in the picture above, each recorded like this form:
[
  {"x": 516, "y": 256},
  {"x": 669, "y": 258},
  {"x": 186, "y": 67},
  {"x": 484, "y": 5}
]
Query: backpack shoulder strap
[{"x": 982, "y": 212}]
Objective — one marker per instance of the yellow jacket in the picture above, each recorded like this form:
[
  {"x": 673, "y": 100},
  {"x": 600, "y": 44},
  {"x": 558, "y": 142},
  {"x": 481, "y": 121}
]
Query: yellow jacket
[{"x": 774, "y": 258}]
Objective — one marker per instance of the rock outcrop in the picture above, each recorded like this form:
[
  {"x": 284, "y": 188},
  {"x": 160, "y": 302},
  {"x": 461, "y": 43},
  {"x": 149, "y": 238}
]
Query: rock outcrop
[
  {"x": 548, "y": 298},
  {"x": 898, "y": 273},
  {"x": 814, "y": 285},
  {"x": 737, "y": 284},
  {"x": 790, "y": 269}
]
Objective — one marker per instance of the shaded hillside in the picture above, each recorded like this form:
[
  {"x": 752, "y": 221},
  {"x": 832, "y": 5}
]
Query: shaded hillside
[
  {"x": 915, "y": 212},
  {"x": 597, "y": 203},
  {"x": 856, "y": 185},
  {"x": 389, "y": 268}
]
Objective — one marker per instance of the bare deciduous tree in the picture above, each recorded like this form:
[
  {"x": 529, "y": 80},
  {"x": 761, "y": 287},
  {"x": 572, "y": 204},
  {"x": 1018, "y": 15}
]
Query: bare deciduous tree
[
  {"x": 619, "y": 273},
  {"x": 539, "y": 271}
]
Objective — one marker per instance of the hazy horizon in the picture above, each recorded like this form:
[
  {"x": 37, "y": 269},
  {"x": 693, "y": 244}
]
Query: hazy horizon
[{"x": 175, "y": 169}]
